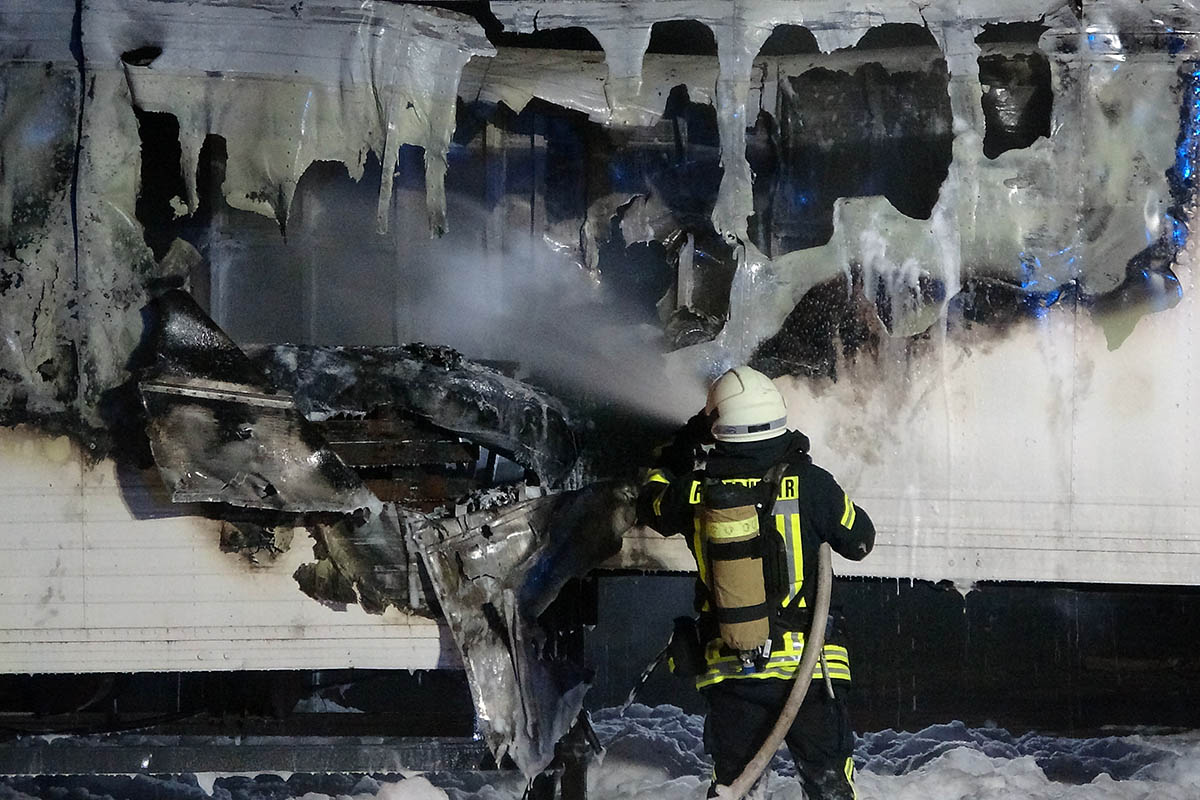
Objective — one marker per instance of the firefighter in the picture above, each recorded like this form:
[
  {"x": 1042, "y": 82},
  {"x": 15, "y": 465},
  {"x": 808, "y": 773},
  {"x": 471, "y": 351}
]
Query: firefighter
[{"x": 754, "y": 510}]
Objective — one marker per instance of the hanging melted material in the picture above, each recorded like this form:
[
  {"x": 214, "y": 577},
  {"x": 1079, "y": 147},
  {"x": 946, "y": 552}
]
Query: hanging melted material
[
  {"x": 231, "y": 430},
  {"x": 494, "y": 574}
]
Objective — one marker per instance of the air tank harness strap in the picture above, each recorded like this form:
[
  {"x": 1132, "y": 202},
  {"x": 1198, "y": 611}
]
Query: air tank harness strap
[
  {"x": 766, "y": 509},
  {"x": 770, "y": 483}
]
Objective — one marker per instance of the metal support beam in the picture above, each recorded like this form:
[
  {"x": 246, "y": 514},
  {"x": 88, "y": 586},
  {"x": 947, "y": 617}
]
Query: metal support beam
[{"x": 135, "y": 754}]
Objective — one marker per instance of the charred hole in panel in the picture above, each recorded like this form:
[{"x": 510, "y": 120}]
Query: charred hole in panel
[
  {"x": 790, "y": 40},
  {"x": 548, "y": 170},
  {"x": 161, "y": 187},
  {"x": 142, "y": 56},
  {"x": 1015, "y": 75},
  {"x": 640, "y": 271},
  {"x": 691, "y": 179},
  {"x": 762, "y": 154},
  {"x": 683, "y": 37},
  {"x": 195, "y": 229},
  {"x": 574, "y": 38},
  {"x": 676, "y": 161},
  {"x": 662, "y": 251},
  {"x": 210, "y": 181},
  {"x": 299, "y": 287},
  {"x": 878, "y": 124},
  {"x": 762, "y": 140}
]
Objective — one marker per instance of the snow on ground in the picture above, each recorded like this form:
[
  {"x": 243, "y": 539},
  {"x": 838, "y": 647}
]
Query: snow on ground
[{"x": 656, "y": 754}]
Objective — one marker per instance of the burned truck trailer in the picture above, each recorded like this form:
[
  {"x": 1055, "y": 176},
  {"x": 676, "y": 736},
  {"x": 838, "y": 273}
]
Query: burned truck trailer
[{"x": 956, "y": 234}]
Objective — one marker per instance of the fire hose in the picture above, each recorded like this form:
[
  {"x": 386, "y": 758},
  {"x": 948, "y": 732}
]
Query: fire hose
[{"x": 813, "y": 647}]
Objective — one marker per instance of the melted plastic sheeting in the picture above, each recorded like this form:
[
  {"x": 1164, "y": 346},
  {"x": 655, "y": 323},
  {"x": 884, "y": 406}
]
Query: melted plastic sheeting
[
  {"x": 494, "y": 574},
  {"x": 220, "y": 433},
  {"x": 435, "y": 383},
  {"x": 1018, "y": 216},
  {"x": 577, "y": 81},
  {"x": 293, "y": 84}
]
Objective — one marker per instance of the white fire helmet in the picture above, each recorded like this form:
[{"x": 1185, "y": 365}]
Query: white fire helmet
[{"x": 744, "y": 406}]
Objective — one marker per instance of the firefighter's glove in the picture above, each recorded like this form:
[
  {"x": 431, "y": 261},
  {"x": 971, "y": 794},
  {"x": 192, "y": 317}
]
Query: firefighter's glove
[
  {"x": 679, "y": 455},
  {"x": 698, "y": 429},
  {"x": 654, "y": 484},
  {"x": 626, "y": 504},
  {"x": 685, "y": 653}
]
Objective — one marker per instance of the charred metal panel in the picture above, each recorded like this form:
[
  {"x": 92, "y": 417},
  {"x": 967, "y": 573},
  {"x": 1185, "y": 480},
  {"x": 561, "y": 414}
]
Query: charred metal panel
[
  {"x": 255, "y": 540},
  {"x": 373, "y": 555},
  {"x": 221, "y": 433},
  {"x": 435, "y": 383},
  {"x": 494, "y": 574}
]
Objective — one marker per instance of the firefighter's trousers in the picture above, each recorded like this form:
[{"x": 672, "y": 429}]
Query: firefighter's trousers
[{"x": 742, "y": 713}]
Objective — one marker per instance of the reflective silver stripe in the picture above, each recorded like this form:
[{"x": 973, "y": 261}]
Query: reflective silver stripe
[
  {"x": 787, "y": 506},
  {"x": 734, "y": 430},
  {"x": 779, "y": 667},
  {"x": 782, "y": 662},
  {"x": 789, "y": 539},
  {"x": 787, "y": 518}
]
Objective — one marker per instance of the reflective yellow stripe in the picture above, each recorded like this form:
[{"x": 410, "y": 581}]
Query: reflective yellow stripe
[
  {"x": 656, "y": 506},
  {"x": 850, "y": 776},
  {"x": 797, "y": 547},
  {"x": 694, "y": 494},
  {"x": 730, "y": 529},
  {"x": 772, "y": 670},
  {"x": 698, "y": 549},
  {"x": 793, "y": 641},
  {"x": 848, "y": 514},
  {"x": 748, "y": 482},
  {"x": 657, "y": 476},
  {"x": 782, "y": 664}
]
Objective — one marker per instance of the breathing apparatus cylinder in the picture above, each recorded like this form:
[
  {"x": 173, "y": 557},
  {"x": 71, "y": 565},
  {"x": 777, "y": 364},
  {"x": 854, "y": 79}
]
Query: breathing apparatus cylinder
[
  {"x": 734, "y": 546},
  {"x": 743, "y": 406}
]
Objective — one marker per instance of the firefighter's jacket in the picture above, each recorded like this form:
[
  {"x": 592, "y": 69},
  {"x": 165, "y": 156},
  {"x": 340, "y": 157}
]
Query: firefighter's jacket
[{"x": 810, "y": 508}]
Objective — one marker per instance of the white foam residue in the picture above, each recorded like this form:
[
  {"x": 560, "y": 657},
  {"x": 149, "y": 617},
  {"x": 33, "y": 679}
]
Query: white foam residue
[
  {"x": 414, "y": 788},
  {"x": 207, "y": 781},
  {"x": 657, "y": 754}
]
